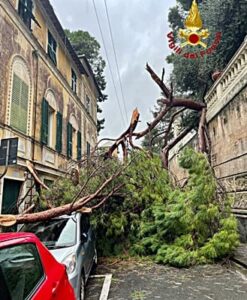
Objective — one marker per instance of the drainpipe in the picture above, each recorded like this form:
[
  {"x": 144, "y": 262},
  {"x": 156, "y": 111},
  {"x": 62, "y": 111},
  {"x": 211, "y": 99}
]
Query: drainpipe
[{"x": 35, "y": 55}]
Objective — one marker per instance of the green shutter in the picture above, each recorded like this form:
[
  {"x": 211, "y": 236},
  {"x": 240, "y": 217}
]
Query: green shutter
[
  {"x": 23, "y": 107},
  {"x": 44, "y": 122},
  {"x": 69, "y": 140},
  {"x": 88, "y": 149},
  {"x": 19, "y": 104},
  {"x": 59, "y": 132},
  {"x": 79, "y": 145}
]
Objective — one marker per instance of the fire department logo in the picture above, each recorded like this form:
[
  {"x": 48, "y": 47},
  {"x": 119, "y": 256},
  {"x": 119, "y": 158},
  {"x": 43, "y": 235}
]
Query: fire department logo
[{"x": 194, "y": 34}]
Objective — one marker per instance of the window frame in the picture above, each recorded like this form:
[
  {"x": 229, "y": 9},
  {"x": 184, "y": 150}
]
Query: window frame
[
  {"x": 88, "y": 104},
  {"x": 26, "y": 16},
  {"x": 52, "y": 47},
  {"x": 73, "y": 81}
]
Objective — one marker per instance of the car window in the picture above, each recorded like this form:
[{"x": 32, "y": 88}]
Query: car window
[
  {"x": 85, "y": 223},
  {"x": 21, "y": 272},
  {"x": 55, "y": 233}
]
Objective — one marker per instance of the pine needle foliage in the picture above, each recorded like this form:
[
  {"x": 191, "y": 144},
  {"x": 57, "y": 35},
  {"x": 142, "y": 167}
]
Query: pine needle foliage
[
  {"x": 180, "y": 227},
  {"x": 190, "y": 226},
  {"x": 151, "y": 215}
]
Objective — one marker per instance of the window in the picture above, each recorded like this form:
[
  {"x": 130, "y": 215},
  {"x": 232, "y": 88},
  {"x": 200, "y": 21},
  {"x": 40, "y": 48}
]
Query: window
[
  {"x": 54, "y": 233},
  {"x": 47, "y": 125},
  {"x": 51, "y": 113},
  {"x": 69, "y": 139},
  {"x": 52, "y": 48},
  {"x": 79, "y": 145},
  {"x": 21, "y": 271},
  {"x": 88, "y": 103},
  {"x": 25, "y": 11},
  {"x": 48, "y": 182},
  {"x": 19, "y": 104},
  {"x": 73, "y": 80},
  {"x": 85, "y": 223},
  {"x": 88, "y": 149},
  {"x": 59, "y": 132}
]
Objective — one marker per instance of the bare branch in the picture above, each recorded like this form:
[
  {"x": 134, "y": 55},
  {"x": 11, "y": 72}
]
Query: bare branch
[
  {"x": 201, "y": 132},
  {"x": 133, "y": 123},
  {"x": 180, "y": 102},
  {"x": 35, "y": 176},
  {"x": 160, "y": 83},
  {"x": 170, "y": 124},
  {"x": 118, "y": 187},
  {"x": 168, "y": 147},
  {"x": 153, "y": 124}
]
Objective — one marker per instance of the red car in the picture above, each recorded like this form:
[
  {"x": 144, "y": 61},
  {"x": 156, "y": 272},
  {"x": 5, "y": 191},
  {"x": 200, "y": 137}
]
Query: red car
[{"x": 29, "y": 271}]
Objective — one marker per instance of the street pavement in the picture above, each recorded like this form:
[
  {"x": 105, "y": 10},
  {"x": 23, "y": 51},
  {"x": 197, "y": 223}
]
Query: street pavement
[{"x": 141, "y": 280}]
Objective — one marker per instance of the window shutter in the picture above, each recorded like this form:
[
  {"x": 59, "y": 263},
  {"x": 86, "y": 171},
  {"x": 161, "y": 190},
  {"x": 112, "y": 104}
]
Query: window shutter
[
  {"x": 88, "y": 149},
  {"x": 44, "y": 122},
  {"x": 79, "y": 145},
  {"x": 19, "y": 104},
  {"x": 23, "y": 107},
  {"x": 16, "y": 93},
  {"x": 69, "y": 140},
  {"x": 59, "y": 132}
]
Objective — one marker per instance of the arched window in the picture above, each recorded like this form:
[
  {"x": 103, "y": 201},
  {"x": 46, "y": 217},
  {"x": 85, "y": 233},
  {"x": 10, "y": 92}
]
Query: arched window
[{"x": 20, "y": 94}]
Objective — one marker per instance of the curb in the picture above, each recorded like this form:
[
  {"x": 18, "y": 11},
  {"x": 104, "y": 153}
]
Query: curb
[{"x": 240, "y": 266}]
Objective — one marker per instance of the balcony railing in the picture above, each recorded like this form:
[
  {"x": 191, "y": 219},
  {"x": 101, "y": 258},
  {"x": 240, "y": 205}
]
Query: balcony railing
[{"x": 229, "y": 84}]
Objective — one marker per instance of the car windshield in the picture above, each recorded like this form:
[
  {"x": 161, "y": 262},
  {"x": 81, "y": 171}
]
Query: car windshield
[{"x": 55, "y": 233}]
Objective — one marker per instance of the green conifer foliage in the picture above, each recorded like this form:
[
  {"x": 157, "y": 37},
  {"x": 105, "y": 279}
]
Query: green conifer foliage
[
  {"x": 191, "y": 226},
  {"x": 152, "y": 216}
]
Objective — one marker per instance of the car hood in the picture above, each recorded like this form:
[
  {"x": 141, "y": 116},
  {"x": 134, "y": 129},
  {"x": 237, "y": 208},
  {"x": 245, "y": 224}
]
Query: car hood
[{"x": 61, "y": 253}]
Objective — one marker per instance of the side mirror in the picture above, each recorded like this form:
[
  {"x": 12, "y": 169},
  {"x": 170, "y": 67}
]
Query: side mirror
[{"x": 84, "y": 237}]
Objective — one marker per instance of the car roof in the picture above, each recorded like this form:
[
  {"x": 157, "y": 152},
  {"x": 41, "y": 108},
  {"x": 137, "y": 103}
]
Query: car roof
[{"x": 17, "y": 238}]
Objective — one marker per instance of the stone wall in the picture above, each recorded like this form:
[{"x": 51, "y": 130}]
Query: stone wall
[{"x": 227, "y": 124}]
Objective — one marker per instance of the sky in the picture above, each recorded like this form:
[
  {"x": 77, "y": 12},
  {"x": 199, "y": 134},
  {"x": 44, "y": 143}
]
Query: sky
[{"x": 139, "y": 29}]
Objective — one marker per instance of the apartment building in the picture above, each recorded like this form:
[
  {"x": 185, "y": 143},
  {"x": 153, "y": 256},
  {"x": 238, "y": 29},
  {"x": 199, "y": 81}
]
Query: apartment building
[{"x": 48, "y": 98}]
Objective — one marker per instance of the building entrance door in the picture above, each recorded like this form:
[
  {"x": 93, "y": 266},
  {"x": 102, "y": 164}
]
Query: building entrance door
[{"x": 11, "y": 189}]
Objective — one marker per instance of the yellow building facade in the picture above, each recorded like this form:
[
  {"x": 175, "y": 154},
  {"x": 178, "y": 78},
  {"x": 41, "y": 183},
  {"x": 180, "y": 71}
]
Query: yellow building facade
[{"x": 48, "y": 98}]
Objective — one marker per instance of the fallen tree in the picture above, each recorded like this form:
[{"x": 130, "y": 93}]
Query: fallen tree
[{"x": 87, "y": 199}]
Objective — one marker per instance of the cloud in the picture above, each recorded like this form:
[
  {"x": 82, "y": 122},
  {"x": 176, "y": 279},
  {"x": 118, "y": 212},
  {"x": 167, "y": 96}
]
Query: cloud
[{"x": 139, "y": 30}]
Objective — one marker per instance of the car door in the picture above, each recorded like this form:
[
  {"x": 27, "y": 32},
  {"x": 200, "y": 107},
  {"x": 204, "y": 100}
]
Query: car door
[
  {"x": 87, "y": 243},
  {"x": 21, "y": 272},
  {"x": 28, "y": 271}
]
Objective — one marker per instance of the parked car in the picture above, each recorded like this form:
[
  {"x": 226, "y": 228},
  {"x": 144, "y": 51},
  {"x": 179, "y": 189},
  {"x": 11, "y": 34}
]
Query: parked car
[
  {"x": 29, "y": 271},
  {"x": 71, "y": 240}
]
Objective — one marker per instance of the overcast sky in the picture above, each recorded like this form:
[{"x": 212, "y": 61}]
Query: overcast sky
[{"x": 139, "y": 30}]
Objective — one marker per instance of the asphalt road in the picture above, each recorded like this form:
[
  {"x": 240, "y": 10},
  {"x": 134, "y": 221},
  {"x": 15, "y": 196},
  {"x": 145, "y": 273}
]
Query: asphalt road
[{"x": 147, "y": 281}]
